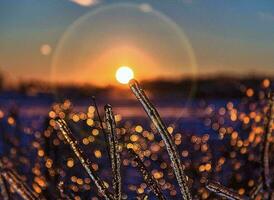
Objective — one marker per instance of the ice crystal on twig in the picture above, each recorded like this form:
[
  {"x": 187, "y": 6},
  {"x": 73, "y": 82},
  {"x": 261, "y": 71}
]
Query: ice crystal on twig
[
  {"x": 114, "y": 152},
  {"x": 142, "y": 197},
  {"x": 256, "y": 189},
  {"x": 167, "y": 138},
  {"x": 83, "y": 158},
  {"x": 18, "y": 185},
  {"x": 269, "y": 120},
  {"x": 101, "y": 126},
  {"x": 4, "y": 189},
  {"x": 10, "y": 176},
  {"x": 62, "y": 192},
  {"x": 223, "y": 191}
]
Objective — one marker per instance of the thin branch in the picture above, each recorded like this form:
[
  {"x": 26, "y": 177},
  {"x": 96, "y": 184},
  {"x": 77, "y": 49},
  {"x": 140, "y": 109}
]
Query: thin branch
[
  {"x": 11, "y": 177},
  {"x": 114, "y": 152},
  {"x": 4, "y": 189},
  {"x": 142, "y": 197},
  {"x": 269, "y": 120},
  {"x": 148, "y": 178},
  {"x": 256, "y": 189},
  {"x": 223, "y": 191},
  {"x": 18, "y": 185},
  {"x": 145, "y": 197},
  {"x": 167, "y": 138},
  {"x": 101, "y": 125},
  {"x": 62, "y": 192},
  {"x": 83, "y": 158}
]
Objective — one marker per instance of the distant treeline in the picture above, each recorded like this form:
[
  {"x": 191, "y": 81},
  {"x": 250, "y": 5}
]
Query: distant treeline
[
  {"x": 210, "y": 87},
  {"x": 219, "y": 86}
]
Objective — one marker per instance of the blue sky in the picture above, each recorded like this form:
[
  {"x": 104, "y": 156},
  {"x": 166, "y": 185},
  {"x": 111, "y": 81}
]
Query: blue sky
[{"x": 226, "y": 36}]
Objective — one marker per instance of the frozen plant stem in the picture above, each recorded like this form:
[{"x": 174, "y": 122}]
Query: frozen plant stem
[
  {"x": 4, "y": 189},
  {"x": 114, "y": 152},
  {"x": 83, "y": 158},
  {"x": 256, "y": 189},
  {"x": 148, "y": 178},
  {"x": 3, "y": 186},
  {"x": 62, "y": 192},
  {"x": 223, "y": 191},
  {"x": 18, "y": 185},
  {"x": 10, "y": 177},
  {"x": 102, "y": 126},
  {"x": 269, "y": 120},
  {"x": 167, "y": 138}
]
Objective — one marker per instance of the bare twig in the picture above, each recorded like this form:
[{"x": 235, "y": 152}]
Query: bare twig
[
  {"x": 101, "y": 126},
  {"x": 269, "y": 120},
  {"x": 256, "y": 189},
  {"x": 18, "y": 185},
  {"x": 4, "y": 189},
  {"x": 145, "y": 197},
  {"x": 11, "y": 177},
  {"x": 114, "y": 152},
  {"x": 83, "y": 158},
  {"x": 142, "y": 197},
  {"x": 167, "y": 138},
  {"x": 223, "y": 191},
  {"x": 62, "y": 192},
  {"x": 148, "y": 178}
]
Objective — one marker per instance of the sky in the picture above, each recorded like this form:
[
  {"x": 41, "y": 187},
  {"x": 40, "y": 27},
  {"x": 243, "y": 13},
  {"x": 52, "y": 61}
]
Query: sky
[{"x": 85, "y": 41}]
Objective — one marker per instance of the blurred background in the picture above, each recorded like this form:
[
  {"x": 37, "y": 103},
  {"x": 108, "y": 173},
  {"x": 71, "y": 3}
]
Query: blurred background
[{"x": 206, "y": 65}]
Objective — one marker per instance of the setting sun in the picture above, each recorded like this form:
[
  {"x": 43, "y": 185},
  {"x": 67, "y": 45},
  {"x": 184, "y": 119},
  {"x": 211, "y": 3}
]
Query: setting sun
[{"x": 124, "y": 74}]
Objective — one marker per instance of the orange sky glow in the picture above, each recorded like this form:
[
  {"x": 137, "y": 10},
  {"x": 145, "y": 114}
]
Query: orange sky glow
[{"x": 89, "y": 42}]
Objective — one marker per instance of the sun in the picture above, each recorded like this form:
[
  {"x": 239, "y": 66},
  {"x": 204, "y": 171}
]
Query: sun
[{"x": 124, "y": 74}]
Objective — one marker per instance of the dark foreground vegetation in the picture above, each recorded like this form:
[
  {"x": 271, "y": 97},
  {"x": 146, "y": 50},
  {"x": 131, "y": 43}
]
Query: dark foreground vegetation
[{"x": 73, "y": 154}]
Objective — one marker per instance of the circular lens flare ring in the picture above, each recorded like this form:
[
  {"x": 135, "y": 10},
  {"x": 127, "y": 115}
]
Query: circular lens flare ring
[{"x": 124, "y": 74}]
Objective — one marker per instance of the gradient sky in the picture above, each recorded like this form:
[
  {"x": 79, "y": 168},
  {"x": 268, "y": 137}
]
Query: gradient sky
[{"x": 226, "y": 36}]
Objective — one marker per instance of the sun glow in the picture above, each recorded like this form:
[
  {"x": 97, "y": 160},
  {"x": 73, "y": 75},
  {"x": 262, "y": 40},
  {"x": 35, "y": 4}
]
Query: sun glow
[{"x": 124, "y": 74}]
